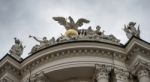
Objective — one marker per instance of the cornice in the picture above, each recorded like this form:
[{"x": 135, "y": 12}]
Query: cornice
[
  {"x": 138, "y": 50},
  {"x": 78, "y": 49},
  {"x": 75, "y": 41},
  {"x": 134, "y": 41},
  {"x": 10, "y": 60},
  {"x": 74, "y": 45},
  {"x": 127, "y": 48},
  {"x": 70, "y": 53}
]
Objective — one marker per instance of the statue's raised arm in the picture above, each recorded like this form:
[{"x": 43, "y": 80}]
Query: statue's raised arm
[
  {"x": 43, "y": 42},
  {"x": 35, "y": 38}
]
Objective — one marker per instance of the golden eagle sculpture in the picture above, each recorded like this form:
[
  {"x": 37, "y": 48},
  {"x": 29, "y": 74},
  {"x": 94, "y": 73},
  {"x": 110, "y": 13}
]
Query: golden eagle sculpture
[{"x": 71, "y": 26}]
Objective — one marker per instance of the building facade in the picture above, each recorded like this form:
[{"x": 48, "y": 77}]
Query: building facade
[{"x": 81, "y": 55}]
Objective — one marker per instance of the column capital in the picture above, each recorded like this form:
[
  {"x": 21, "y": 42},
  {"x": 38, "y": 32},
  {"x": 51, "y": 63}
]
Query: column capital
[
  {"x": 143, "y": 72},
  {"x": 102, "y": 71},
  {"x": 121, "y": 74},
  {"x": 39, "y": 77}
]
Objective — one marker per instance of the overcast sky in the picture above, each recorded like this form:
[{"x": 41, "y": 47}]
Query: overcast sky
[{"x": 21, "y": 18}]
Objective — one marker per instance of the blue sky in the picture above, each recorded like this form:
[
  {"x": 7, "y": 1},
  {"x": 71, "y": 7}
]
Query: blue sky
[{"x": 21, "y": 18}]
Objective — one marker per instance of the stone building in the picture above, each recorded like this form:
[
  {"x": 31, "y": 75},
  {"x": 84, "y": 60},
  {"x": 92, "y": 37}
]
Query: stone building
[{"x": 80, "y": 55}]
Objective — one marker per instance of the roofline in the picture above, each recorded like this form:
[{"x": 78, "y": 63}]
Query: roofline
[
  {"x": 10, "y": 57},
  {"x": 135, "y": 38},
  {"x": 121, "y": 45}
]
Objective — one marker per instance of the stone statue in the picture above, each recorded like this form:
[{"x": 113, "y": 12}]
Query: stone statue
[
  {"x": 102, "y": 34},
  {"x": 17, "y": 48},
  {"x": 131, "y": 30},
  {"x": 98, "y": 32},
  {"x": 52, "y": 40},
  {"x": 62, "y": 38},
  {"x": 44, "y": 42},
  {"x": 90, "y": 33},
  {"x": 71, "y": 26},
  {"x": 113, "y": 38},
  {"x": 34, "y": 49}
]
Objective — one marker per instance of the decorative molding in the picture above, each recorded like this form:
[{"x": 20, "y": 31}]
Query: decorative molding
[
  {"x": 138, "y": 50},
  {"x": 11, "y": 69},
  {"x": 73, "y": 52}
]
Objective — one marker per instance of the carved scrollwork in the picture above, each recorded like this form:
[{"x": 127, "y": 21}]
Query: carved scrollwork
[
  {"x": 121, "y": 74},
  {"x": 38, "y": 77},
  {"x": 102, "y": 72}
]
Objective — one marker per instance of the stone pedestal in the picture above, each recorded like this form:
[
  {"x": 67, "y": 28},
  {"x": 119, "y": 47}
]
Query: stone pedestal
[
  {"x": 102, "y": 73},
  {"x": 143, "y": 75}
]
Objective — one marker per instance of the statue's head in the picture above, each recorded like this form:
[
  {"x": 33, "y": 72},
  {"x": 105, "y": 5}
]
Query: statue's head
[
  {"x": 98, "y": 28},
  {"x": 132, "y": 24},
  {"x": 89, "y": 28},
  {"x": 17, "y": 41},
  {"x": 44, "y": 38},
  {"x": 70, "y": 18}
]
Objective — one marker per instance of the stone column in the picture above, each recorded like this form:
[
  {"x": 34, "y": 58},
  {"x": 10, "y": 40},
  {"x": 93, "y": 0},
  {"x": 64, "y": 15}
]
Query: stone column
[
  {"x": 143, "y": 75},
  {"x": 121, "y": 75},
  {"x": 102, "y": 73}
]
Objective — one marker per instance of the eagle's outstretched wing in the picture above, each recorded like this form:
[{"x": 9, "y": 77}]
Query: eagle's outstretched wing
[
  {"x": 61, "y": 20},
  {"x": 125, "y": 29},
  {"x": 80, "y": 22},
  {"x": 138, "y": 31}
]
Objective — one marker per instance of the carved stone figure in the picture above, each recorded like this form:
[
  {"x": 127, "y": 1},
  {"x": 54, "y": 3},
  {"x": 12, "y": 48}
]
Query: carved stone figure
[
  {"x": 113, "y": 38},
  {"x": 62, "y": 38},
  {"x": 98, "y": 32},
  {"x": 34, "y": 49},
  {"x": 71, "y": 26},
  {"x": 102, "y": 34},
  {"x": 131, "y": 30},
  {"x": 17, "y": 48},
  {"x": 44, "y": 42},
  {"x": 90, "y": 33},
  {"x": 52, "y": 41}
]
